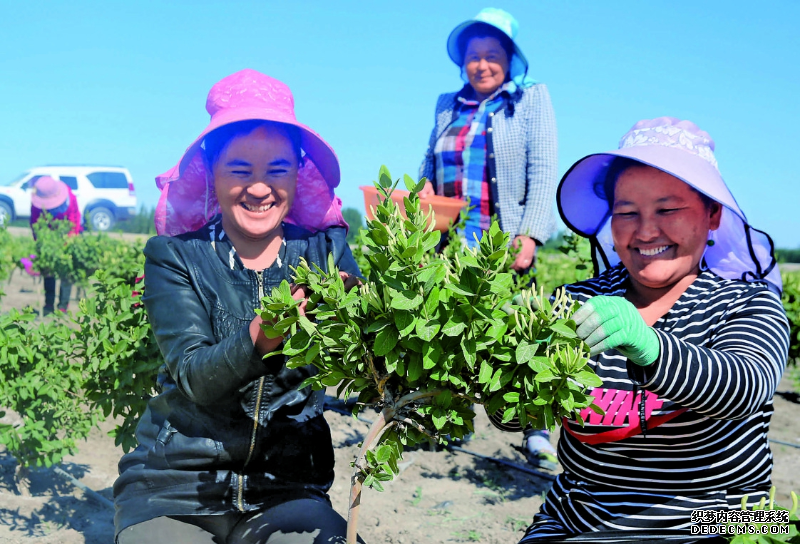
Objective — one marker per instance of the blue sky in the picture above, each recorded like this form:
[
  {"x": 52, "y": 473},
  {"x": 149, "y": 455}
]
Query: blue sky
[{"x": 125, "y": 83}]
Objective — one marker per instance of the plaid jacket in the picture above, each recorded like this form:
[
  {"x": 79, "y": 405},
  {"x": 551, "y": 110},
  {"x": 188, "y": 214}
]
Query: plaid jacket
[{"x": 522, "y": 151}]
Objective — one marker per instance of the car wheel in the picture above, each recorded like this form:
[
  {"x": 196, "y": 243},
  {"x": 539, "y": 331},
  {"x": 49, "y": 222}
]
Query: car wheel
[
  {"x": 6, "y": 213},
  {"x": 101, "y": 219}
]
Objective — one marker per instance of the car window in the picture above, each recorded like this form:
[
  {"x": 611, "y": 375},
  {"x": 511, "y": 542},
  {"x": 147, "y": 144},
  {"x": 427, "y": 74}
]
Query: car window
[
  {"x": 71, "y": 181},
  {"x": 29, "y": 184},
  {"x": 108, "y": 180},
  {"x": 16, "y": 179}
]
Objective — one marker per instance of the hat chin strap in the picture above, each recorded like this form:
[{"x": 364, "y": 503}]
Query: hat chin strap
[{"x": 208, "y": 189}]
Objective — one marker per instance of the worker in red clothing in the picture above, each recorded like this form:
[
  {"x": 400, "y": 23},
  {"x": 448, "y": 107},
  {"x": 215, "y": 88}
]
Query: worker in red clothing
[{"x": 55, "y": 197}]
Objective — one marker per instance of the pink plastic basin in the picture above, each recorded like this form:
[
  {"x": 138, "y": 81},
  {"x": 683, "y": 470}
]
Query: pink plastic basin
[{"x": 445, "y": 209}]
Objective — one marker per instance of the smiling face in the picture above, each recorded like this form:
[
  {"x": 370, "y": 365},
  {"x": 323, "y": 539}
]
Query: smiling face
[
  {"x": 255, "y": 178},
  {"x": 660, "y": 226},
  {"x": 486, "y": 65}
]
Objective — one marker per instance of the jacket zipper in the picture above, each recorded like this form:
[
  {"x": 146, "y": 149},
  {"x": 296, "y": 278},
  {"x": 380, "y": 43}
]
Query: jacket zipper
[{"x": 240, "y": 494}]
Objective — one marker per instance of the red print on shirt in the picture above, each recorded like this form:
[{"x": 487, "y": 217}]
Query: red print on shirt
[{"x": 622, "y": 413}]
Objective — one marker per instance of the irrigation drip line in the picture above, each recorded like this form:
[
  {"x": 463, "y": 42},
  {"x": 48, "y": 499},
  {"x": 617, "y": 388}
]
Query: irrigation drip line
[
  {"x": 346, "y": 412},
  {"x": 515, "y": 466},
  {"x": 784, "y": 443},
  {"x": 510, "y": 464},
  {"x": 89, "y": 491}
]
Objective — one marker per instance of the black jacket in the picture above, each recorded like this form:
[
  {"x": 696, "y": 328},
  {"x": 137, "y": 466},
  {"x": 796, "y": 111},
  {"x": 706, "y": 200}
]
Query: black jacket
[{"x": 229, "y": 431}]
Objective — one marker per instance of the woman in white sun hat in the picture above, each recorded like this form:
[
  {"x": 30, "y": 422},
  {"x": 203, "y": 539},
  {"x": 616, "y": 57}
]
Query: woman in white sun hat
[{"x": 687, "y": 332}]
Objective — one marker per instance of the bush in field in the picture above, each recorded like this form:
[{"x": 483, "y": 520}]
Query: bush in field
[
  {"x": 77, "y": 258},
  {"x": 43, "y": 385},
  {"x": 141, "y": 223},
  {"x": 791, "y": 303},
  {"x": 427, "y": 336},
  {"x": 12, "y": 249},
  {"x": 355, "y": 221},
  {"x": 62, "y": 376},
  {"x": 788, "y": 255},
  {"x": 117, "y": 352},
  {"x": 570, "y": 263}
]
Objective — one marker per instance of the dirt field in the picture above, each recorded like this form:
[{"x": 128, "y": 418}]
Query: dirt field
[{"x": 439, "y": 497}]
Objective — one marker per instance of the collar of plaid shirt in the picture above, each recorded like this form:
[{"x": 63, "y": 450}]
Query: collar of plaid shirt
[{"x": 461, "y": 158}]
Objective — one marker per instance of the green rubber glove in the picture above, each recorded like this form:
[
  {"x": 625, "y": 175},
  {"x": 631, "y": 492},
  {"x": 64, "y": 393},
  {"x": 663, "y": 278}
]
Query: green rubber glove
[{"x": 614, "y": 323}]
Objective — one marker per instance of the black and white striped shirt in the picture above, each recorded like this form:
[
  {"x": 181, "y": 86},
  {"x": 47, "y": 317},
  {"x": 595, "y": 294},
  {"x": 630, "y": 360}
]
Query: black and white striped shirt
[{"x": 708, "y": 403}]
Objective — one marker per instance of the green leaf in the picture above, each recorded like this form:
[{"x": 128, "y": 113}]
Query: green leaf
[
  {"x": 486, "y": 372},
  {"x": 563, "y": 329},
  {"x": 432, "y": 302},
  {"x": 469, "y": 348},
  {"x": 415, "y": 368},
  {"x": 494, "y": 229},
  {"x": 460, "y": 289},
  {"x": 383, "y": 453},
  {"x": 511, "y": 396},
  {"x": 378, "y": 325},
  {"x": 431, "y": 356},
  {"x": 539, "y": 364},
  {"x": 385, "y": 341},
  {"x": 405, "y": 322},
  {"x": 439, "y": 418},
  {"x": 406, "y": 300},
  {"x": 494, "y": 384},
  {"x": 455, "y": 325},
  {"x": 430, "y": 241},
  {"x": 495, "y": 403},
  {"x": 597, "y": 410},
  {"x": 410, "y": 183},
  {"x": 589, "y": 379},
  {"x": 307, "y": 325},
  {"x": 509, "y": 414},
  {"x": 426, "y": 330},
  {"x": 525, "y": 352},
  {"x": 503, "y": 284},
  {"x": 497, "y": 330},
  {"x": 444, "y": 399},
  {"x": 545, "y": 376},
  {"x": 384, "y": 177},
  {"x": 468, "y": 258}
]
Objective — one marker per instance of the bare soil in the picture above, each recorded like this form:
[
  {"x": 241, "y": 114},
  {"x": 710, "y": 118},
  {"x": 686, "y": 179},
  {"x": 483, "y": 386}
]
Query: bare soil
[{"x": 439, "y": 496}]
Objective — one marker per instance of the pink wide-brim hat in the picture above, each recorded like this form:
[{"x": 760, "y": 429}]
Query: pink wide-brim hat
[
  {"x": 187, "y": 199},
  {"x": 49, "y": 193},
  {"x": 681, "y": 149}
]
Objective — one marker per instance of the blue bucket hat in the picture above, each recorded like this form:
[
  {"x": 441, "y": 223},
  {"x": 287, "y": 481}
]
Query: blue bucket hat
[{"x": 505, "y": 23}]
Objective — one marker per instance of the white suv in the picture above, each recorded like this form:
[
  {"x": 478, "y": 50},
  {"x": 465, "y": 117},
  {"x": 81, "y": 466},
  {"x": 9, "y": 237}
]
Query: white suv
[{"x": 105, "y": 193}]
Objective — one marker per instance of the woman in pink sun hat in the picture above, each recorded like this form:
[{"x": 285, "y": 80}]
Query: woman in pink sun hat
[
  {"x": 687, "y": 333},
  {"x": 54, "y": 197},
  {"x": 231, "y": 450}
]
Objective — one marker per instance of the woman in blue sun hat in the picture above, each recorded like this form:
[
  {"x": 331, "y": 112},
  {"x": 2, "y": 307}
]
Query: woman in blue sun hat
[{"x": 494, "y": 145}]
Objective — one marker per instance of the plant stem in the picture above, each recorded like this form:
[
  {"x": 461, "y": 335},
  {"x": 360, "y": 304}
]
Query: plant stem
[
  {"x": 375, "y": 376},
  {"x": 415, "y": 396},
  {"x": 419, "y": 427},
  {"x": 375, "y": 431}
]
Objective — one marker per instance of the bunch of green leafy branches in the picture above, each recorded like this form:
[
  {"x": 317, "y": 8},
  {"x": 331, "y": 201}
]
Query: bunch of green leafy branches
[{"x": 427, "y": 336}]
